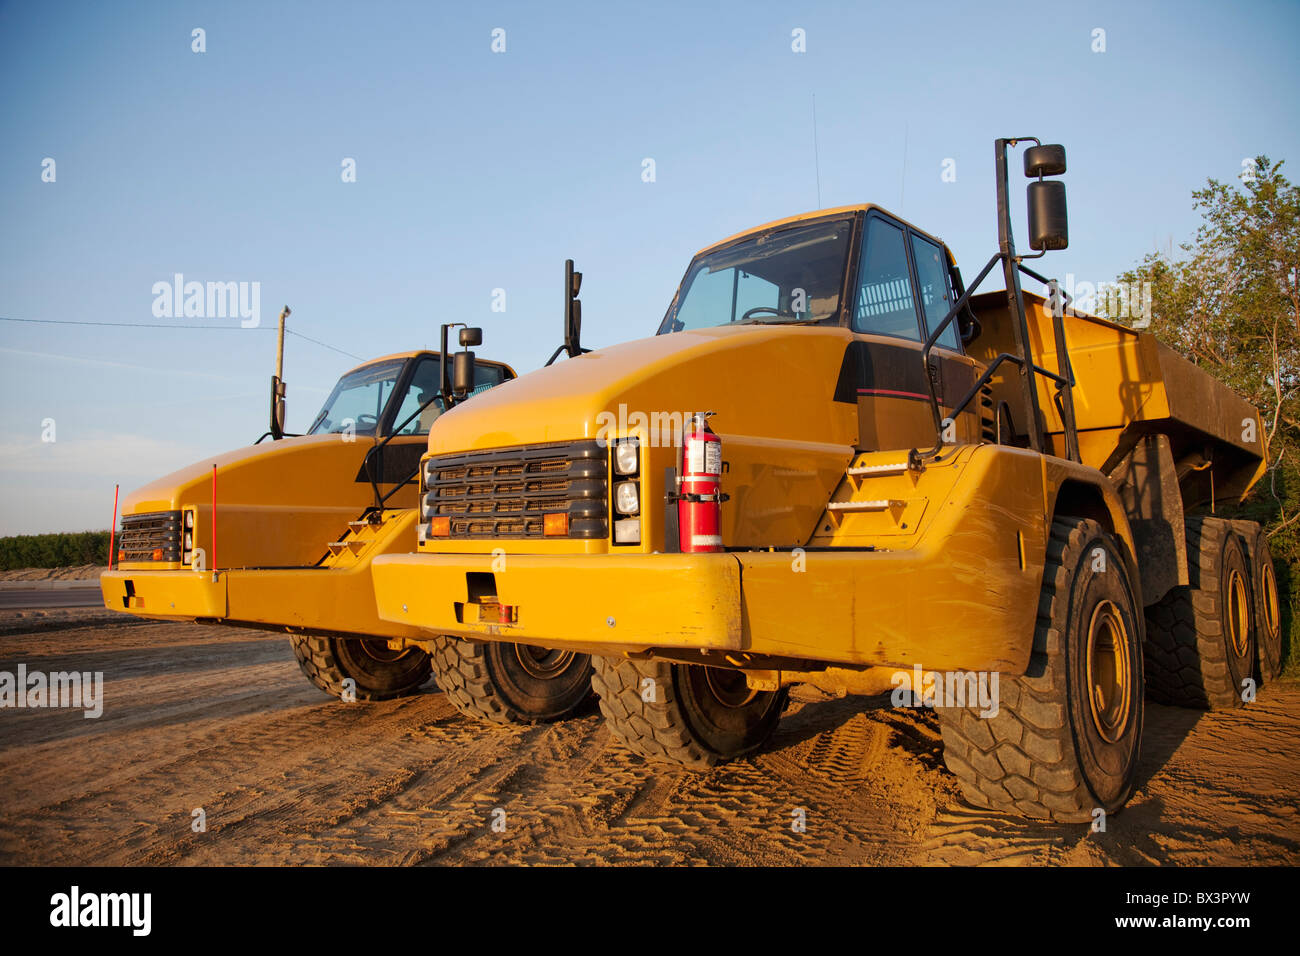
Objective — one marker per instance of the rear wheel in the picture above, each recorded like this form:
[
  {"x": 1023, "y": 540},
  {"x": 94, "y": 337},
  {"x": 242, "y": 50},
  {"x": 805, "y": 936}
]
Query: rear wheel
[
  {"x": 511, "y": 683},
  {"x": 1064, "y": 738},
  {"x": 1200, "y": 646},
  {"x": 378, "y": 672},
  {"x": 1268, "y": 609},
  {"x": 687, "y": 714}
]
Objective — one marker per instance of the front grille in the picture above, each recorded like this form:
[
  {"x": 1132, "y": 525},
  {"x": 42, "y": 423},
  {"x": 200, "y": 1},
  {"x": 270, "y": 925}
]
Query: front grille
[
  {"x": 155, "y": 536},
  {"x": 504, "y": 492}
]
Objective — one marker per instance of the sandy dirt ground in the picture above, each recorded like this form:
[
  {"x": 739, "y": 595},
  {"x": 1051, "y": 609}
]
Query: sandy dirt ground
[{"x": 221, "y": 719}]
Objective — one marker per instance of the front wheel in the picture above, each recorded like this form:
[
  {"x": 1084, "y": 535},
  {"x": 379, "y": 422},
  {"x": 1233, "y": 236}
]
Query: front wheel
[
  {"x": 1064, "y": 738},
  {"x": 376, "y": 671},
  {"x": 687, "y": 714},
  {"x": 511, "y": 683}
]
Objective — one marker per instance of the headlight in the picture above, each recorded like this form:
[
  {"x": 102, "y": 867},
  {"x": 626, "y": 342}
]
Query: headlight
[
  {"x": 626, "y": 499},
  {"x": 626, "y": 457},
  {"x": 627, "y": 531}
]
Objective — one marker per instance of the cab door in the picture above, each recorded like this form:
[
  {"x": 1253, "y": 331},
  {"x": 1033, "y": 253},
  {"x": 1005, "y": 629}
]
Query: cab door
[
  {"x": 902, "y": 288},
  {"x": 954, "y": 371},
  {"x": 397, "y": 460}
]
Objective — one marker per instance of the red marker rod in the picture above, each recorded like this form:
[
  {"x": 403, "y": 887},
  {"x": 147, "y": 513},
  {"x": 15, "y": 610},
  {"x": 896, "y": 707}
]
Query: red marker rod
[
  {"x": 214, "y": 518},
  {"x": 112, "y": 529}
]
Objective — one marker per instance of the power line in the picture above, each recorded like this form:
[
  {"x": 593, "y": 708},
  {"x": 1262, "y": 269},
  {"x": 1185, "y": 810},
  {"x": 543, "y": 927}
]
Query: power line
[
  {"x": 172, "y": 325},
  {"x": 131, "y": 325},
  {"x": 322, "y": 344}
]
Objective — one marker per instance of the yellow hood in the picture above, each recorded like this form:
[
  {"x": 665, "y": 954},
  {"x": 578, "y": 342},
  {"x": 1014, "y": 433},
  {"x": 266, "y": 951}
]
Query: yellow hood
[{"x": 764, "y": 381}]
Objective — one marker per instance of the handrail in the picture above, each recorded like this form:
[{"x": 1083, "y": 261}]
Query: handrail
[
  {"x": 1064, "y": 377},
  {"x": 915, "y": 457},
  {"x": 373, "y": 453},
  {"x": 1066, "y": 382}
]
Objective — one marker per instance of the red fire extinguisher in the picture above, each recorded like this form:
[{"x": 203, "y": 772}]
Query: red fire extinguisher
[{"x": 699, "y": 501}]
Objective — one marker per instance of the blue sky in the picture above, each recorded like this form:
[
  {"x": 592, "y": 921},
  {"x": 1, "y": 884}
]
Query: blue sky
[{"x": 478, "y": 170}]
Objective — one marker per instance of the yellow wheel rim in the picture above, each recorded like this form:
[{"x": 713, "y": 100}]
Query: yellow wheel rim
[
  {"x": 1110, "y": 694},
  {"x": 1238, "y": 613},
  {"x": 729, "y": 687},
  {"x": 1272, "y": 614},
  {"x": 541, "y": 663}
]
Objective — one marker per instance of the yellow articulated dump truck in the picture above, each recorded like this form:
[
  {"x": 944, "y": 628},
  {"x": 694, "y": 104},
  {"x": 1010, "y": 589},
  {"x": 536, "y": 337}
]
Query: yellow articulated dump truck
[
  {"x": 836, "y": 464},
  {"x": 280, "y": 536}
]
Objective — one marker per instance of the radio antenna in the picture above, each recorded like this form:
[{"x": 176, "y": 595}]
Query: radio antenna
[
  {"x": 817, "y": 162},
  {"x": 902, "y": 182}
]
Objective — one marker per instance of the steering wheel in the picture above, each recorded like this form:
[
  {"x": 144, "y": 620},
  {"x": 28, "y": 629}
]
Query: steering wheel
[
  {"x": 366, "y": 421},
  {"x": 763, "y": 308}
]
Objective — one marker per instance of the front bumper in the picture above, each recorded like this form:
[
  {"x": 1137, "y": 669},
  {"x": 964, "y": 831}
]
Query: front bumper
[
  {"x": 308, "y": 599},
  {"x": 596, "y": 603},
  {"x": 183, "y": 595},
  {"x": 853, "y": 608}
]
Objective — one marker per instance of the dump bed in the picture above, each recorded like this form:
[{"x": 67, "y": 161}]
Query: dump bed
[{"x": 1129, "y": 385}]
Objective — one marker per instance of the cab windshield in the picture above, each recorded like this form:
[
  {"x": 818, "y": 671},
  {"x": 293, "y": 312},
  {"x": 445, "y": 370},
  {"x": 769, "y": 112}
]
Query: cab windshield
[
  {"x": 358, "y": 400},
  {"x": 788, "y": 276}
]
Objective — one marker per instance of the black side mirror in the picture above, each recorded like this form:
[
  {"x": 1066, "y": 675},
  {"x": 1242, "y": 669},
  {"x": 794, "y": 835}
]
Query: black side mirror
[
  {"x": 1044, "y": 161},
  {"x": 1048, "y": 223},
  {"x": 463, "y": 373},
  {"x": 1049, "y": 227},
  {"x": 470, "y": 337},
  {"x": 572, "y": 315},
  {"x": 277, "y": 408},
  {"x": 572, "y": 309}
]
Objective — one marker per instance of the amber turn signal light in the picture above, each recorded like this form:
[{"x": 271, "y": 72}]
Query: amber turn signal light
[
  {"x": 556, "y": 524},
  {"x": 440, "y": 527}
]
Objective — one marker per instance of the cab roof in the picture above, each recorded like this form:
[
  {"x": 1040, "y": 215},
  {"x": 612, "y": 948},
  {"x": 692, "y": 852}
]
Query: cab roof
[
  {"x": 403, "y": 356},
  {"x": 416, "y": 353},
  {"x": 819, "y": 214}
]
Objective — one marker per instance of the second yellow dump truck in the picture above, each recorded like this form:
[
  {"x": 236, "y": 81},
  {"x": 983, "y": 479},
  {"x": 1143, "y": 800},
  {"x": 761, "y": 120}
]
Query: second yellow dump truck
[
  {"x": 279, "y": 536},
  {"x": 985, "y": 502}
]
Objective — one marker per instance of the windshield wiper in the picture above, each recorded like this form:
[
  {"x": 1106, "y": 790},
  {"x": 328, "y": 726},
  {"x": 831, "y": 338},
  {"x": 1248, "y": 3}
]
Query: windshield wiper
[{"x": 774, "y": 321}]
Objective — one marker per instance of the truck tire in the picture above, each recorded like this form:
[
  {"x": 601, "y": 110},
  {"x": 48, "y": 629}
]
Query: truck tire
[
  {"x": 1200, "y": 643},
  {"x": 1066, "y": 735},
  {"x": 686, "y": 714},
  {"x": 378, "y": 672},
  {"x": 1268, "y": 607},
  {"x": 511, "y": 683}
]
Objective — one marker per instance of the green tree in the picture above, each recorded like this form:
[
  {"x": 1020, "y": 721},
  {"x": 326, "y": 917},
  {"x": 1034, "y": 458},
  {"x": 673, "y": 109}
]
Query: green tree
[{"x": 1230, "y": 302}]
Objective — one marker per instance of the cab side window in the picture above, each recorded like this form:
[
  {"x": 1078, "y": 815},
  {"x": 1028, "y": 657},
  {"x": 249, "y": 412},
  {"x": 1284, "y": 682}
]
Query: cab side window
[
  {"x": 936, "y": 293},
  {"x": 424, "y": 386},
  {"x": 883, "y": 303}
]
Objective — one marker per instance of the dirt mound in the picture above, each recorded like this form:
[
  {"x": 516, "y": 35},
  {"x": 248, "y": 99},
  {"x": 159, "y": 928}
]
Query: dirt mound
[{"x": 82, "y": 572}]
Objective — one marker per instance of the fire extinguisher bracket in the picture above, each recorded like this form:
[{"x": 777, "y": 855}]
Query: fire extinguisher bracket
[{"x": 678, "y": 496}]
